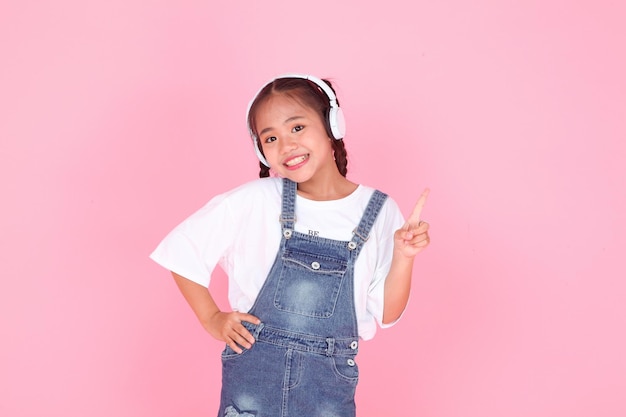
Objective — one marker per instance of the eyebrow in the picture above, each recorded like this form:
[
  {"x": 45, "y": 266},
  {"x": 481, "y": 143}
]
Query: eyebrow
[{"x": 291, "y": 119}]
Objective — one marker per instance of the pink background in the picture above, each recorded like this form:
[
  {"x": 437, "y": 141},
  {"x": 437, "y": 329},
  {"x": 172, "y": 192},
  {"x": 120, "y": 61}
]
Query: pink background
[{"x": 119, "y": 118}]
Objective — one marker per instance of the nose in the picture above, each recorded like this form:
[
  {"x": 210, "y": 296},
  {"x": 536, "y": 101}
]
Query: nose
[{"x": 288, "y": 144}]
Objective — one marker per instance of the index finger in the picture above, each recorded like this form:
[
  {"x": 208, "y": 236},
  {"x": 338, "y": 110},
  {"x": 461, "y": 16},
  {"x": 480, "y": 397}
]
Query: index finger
[{"x": 417, "y": 210}]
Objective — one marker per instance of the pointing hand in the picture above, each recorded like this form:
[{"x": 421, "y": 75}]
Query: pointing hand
[{"x": 413, "y": 237}]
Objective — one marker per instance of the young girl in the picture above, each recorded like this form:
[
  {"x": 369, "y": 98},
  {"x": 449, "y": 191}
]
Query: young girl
[{"x": 314, "y": 261}]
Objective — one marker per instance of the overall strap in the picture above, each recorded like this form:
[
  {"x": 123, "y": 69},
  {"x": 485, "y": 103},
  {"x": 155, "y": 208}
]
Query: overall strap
[
  {"x": 362, "y": 232},
  {"x": 288, "y": 215}
]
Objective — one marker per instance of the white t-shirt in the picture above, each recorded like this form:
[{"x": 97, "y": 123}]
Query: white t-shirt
[{"x": 240, "y": 230}]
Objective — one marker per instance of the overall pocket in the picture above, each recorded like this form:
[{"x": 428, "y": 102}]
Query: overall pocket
[
  {"x": 228, "y": 353},
  {"x": 346, "y": 368},
  {"x": 309, "y": 284}
]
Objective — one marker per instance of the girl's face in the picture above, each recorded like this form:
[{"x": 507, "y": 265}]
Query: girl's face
[{"x": 294, "y": 140}]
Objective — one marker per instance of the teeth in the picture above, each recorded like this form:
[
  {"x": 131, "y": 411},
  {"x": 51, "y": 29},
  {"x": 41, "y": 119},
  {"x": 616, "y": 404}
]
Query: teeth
[{"x": 296, "y": 161}]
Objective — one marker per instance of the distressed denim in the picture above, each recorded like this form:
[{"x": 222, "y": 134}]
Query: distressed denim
[{"x": 303, "y": 362}]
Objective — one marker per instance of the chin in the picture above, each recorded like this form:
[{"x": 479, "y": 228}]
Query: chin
[{"x": 296, "y": 176}]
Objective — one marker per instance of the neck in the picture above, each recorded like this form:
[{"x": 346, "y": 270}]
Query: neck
[{"x": 323, "y": 189}]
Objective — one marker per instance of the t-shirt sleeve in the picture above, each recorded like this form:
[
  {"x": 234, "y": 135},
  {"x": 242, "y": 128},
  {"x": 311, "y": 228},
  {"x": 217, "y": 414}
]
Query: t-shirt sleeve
[
  {"x": 390, "y": 221},
  {"x": 195, "y": 246}
]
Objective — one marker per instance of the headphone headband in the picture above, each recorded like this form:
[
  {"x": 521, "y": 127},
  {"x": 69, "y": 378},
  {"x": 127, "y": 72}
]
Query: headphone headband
[{"x": 336, "y": 121}]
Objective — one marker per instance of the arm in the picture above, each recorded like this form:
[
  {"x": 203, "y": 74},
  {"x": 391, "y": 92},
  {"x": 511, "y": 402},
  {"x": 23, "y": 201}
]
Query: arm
[
  {"x": 411, "y": 239},
  {"x": 224, "y": 326}
]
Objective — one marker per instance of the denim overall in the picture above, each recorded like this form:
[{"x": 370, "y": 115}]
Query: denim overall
[{"x": 303, "y": 361}]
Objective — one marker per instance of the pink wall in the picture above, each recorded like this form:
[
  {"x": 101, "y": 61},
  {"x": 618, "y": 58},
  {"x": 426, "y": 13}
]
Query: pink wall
[{"x": 119, "y": 119}]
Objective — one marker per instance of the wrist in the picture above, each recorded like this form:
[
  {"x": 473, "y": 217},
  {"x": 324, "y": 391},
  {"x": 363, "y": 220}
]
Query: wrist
[
  {"x": 208, "y": 320},
  {"x": 399, "y": 256}
]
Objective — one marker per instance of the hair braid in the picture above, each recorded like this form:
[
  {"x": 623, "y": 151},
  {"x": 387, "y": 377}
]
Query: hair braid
[
  {"x": 264, "y": 171},
  {"x": 341, "y": 156}
]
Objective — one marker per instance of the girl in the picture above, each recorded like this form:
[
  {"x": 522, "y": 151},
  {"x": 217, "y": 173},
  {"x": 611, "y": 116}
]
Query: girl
[{"x": 313, "y": 260}]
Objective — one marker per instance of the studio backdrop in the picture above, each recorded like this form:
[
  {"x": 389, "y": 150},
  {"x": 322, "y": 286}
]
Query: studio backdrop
[{"x": 120, "y": 118}]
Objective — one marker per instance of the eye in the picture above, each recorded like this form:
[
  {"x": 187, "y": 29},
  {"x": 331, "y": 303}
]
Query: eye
[
  {"x": 270, "y": 139},
  {"x": 297, "y": 128}
]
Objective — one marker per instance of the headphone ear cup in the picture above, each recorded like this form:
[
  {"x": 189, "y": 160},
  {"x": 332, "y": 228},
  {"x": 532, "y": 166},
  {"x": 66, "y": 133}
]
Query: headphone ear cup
[
  {"x": 337, "y": 122},
  {"x": 257, "y": 149}
]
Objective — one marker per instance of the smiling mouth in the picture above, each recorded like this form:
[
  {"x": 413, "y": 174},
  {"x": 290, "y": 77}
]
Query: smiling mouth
[{"x": 298, "y": 160}]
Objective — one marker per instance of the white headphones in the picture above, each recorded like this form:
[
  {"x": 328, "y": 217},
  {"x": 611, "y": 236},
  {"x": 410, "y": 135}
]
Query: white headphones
[{"x": 336, "y": 121}]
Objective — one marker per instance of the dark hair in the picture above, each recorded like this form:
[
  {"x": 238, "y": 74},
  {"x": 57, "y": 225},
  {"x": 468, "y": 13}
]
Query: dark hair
[{"x": 309, "y": 94}]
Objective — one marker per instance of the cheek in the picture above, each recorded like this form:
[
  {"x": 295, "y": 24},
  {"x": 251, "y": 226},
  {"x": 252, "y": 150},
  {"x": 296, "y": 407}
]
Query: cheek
[{"x": 269, "y": 152}]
